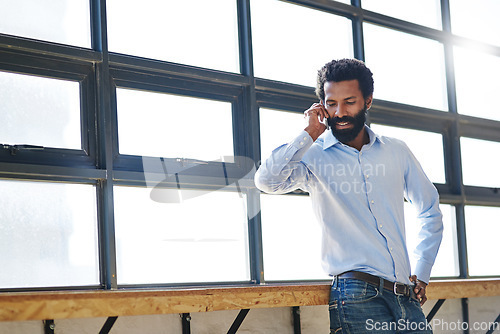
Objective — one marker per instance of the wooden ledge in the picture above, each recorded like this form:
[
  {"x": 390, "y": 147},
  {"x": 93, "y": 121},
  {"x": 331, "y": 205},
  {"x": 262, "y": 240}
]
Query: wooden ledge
[
  {"x": 469, "y": 288},
  {"x": 105, "y": 303}
]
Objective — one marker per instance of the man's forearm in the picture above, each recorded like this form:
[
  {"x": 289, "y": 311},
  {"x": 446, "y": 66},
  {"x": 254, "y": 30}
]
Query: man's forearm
[{"x": 275, "y": 173}]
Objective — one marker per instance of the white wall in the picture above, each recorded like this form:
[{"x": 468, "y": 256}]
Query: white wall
[{"x": 314, "y": 320}]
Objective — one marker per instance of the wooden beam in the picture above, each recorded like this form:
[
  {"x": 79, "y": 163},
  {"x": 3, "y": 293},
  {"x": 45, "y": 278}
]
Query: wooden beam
[
  {"x": 108, "y": 303},
  {"x": 103, "y": 303},
  {"x": 470, "y": 288}
]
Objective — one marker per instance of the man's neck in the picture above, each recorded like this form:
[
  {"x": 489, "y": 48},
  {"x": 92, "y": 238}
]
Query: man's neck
[{"x": 361, "y": 139}]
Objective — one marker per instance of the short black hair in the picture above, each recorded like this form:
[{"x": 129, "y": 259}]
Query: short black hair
[{"x": 342, "y": 70}]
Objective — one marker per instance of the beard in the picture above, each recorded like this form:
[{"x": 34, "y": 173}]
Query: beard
[{"x": 347, "y": 135}]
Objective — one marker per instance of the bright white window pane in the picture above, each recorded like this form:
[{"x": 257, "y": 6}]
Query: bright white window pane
[
  {"x": 446, "y": 264},
  {"x": 482, "y": 230},
  {"x": 476, "y": 19},
  {"x": 475, "y": 86},
  {"x": 202, "y": 239},
  {"x": 426, "y": 146},
  {"x": 289, "y": 213},
  {"x": 291, "y": 238},
  {"x": 39, "y": 111},
  {"x": 48, "y": 234},
  {"x": 424, "y": 12},
  {"x": 409, "y": 71},
  {"x": 278, "y": 128},
  {"x": 289, "y": 41},
  {"x": 196, "y": 32},
  {"x": 60, "y": 21},
  {"x": 480, "y": 161},
  {"x": 155, "y": 124}
]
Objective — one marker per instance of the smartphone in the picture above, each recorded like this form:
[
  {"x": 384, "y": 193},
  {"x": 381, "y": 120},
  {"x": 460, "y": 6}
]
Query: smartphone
[{"x": 325, "y": 120}]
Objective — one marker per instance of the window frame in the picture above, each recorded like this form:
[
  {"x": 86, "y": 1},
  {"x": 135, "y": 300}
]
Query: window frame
[{"x": 101, "y": 72}]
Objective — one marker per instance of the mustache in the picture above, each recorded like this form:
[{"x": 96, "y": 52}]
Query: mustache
[{"x": 334, "y": 120}]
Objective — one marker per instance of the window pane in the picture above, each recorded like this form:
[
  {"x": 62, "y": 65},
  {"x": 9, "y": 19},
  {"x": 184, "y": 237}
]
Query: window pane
[
  {"x": 291, "y": 238},
  {"x": 476, "y": 19},
  {"x": 278, "y": 128},
  {"x": 48, "y": 234},
  {"x": 402, "y": 71},
  {"x": 194, "y": 32},
  {"x": 475, "y": 86},
  {"x": 424, "y": 12},
  {"x": 60, "y": 21},
  {"x": 202, "y": 239},
  {"x": 480, "y": 161},
  {"x": 278, "y": 213},
  {"x": 446, "y": 264},
  {"x": 39, "y": 111},
  {"x": 482, "y": 228},
  {"x": 289, "y": 41},
  {"x": 426, "y": 146},
  {"x": 154, "y": 124}
]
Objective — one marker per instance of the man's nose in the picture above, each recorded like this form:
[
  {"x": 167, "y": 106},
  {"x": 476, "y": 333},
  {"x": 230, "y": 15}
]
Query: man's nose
[{"x": 340, "y": 111}]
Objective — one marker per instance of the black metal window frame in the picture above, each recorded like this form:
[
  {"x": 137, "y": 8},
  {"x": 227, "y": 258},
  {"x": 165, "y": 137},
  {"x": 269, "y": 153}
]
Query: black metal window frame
[{"x": 101, "y": 72}]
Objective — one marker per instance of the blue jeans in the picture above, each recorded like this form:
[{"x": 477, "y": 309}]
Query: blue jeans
[{"x": 358, "y": 307}]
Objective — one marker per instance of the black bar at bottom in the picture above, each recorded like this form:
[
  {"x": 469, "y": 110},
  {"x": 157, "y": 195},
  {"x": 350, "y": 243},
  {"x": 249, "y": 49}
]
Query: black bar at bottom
[
  {"x": 465, "y": 314},
  {"x": 108, "y": 325},
  {"x": 296, "y": 320},
  {"x": 186, "y": 323},
  {"x": 434, "y": 310},
  {"x": 48, "y": 326},
  {"x": 237, "y": 322},
  {"x": 494, "y": 326}
]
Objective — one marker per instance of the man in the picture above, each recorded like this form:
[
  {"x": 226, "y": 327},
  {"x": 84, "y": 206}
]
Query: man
[{"x": 357, "y": 181}]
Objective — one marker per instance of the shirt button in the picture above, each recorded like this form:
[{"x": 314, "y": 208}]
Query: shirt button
[
  {"x": 305, "y": 138},
  {"x": 390, "y": 248},
  {"x": 287, "y": 159},
  {"x": 372, "y": 202},
  {"x": 380, "y": 226},
  {"x": 301, "y": 143},
  {"x": 367, "y": 176}
]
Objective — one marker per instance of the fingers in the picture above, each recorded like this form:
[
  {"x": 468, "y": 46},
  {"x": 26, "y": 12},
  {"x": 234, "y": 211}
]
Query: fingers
[
  {"x": 420, "y": 292},
  {"x": 419, "y": 289},
  {"x": 317, "y": 109},
  {"x": 423, "y": 300}
]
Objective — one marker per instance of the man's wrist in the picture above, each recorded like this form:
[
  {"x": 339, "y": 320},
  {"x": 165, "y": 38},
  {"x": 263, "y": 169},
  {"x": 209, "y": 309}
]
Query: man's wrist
[
  {"x": 314, "y": 132},
  {"x": 420, "y": 281}
]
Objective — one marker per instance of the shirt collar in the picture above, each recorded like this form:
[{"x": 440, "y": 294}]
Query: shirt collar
[{"x": 330, "y": 139}]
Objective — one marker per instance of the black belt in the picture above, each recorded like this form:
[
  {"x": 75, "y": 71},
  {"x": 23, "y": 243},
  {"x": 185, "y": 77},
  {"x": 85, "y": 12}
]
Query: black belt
[{"x": 399, "y": 289}]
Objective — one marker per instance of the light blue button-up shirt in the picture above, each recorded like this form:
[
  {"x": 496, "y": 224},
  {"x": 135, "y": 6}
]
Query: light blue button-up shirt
[{"x": 358, "y": 197}]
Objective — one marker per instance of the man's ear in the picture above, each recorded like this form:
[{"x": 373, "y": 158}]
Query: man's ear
[{"x": 368, "y": 102}]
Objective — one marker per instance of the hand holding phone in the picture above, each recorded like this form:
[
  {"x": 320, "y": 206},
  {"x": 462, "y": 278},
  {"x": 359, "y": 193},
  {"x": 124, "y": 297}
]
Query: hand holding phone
[{"x": 317, "y": 116}]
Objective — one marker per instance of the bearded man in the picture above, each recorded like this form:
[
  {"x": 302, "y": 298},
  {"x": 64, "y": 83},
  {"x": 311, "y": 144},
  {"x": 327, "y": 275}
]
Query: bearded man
[{"x": 363, "y": 240}]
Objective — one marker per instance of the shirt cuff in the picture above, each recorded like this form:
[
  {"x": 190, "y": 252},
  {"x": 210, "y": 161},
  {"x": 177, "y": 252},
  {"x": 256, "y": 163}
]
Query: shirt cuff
[
  {"x": 423, "y": 271},
  {"x": 302, "y": 143}
]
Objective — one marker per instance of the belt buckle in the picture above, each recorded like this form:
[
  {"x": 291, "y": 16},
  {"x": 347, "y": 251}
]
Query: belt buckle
[{"x": 395, "y": 289}]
